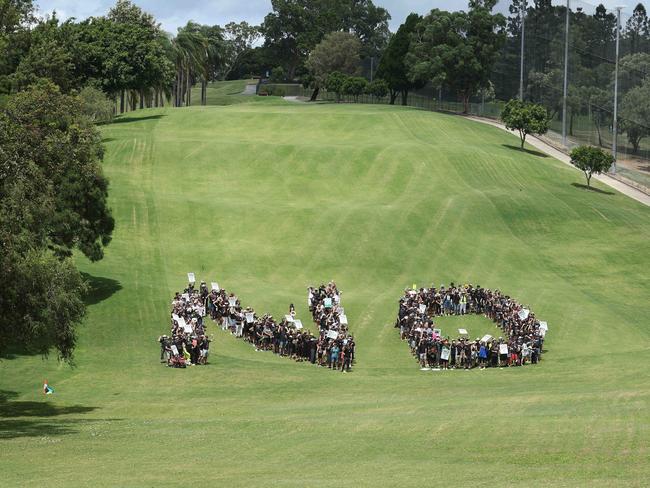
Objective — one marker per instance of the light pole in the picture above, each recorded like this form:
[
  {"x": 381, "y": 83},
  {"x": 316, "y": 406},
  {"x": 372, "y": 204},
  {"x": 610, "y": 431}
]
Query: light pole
[
  {"x": 521, "y": 55},
  {"x": 566, "y": 72},
  {"x": 615, "y": 125}
]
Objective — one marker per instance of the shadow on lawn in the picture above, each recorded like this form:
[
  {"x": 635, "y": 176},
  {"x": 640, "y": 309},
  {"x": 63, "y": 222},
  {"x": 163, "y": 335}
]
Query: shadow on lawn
[
  {"x": 35, "y": 419},
  {"x": 591, "y": 188},
  {"x": 532, "y": 152},
  {"x": 127, "y": 119},
  {"x": 100, "y": 288}
]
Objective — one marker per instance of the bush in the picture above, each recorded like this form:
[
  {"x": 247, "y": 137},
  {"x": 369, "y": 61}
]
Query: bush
[
  {"x": 526, "y": 118},
  {"x": 355, "y": 86},
  {"x": 378, "y": 89},
  {"x": 278, "y": 75},
  {"x": 96, "y": 105},
  {"x": 591, "y": 160}
]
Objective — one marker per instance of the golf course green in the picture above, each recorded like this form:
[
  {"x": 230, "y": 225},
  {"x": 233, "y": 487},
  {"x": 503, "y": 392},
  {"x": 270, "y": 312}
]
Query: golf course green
[{"x": 267, "y": 197}]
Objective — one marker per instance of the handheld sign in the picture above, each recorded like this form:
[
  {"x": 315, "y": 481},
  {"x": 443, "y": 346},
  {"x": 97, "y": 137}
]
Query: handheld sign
[
  {"x": 174, "y": 350},
  {"x": 232, "y": 301},
  {"x": 423, "y": 308},
  {"x": 289, "y": 318},
  {"x": 328, "y": 303},
  {"x": 337, "y": 299},
  {"x": 341, "y": 310},
  {"x": 297, "y": 324},
  {"x": 215, "y": 286},
  {"x": 462, "y": 331},
  {"x": 250, "y": 318},
  {"x": 175, "y": 317},
  {"x": 343, "y": 319},
  {"x": 503, "y": 348},
  {"x": 332, "y": 334},
  {"x": 190, "y": 278},
  {"x": 444, "y": 354},
  {"x": 523, "y": 313},
  {"x": 543, "y": 325},
  {"x": 486, "y": 338}
]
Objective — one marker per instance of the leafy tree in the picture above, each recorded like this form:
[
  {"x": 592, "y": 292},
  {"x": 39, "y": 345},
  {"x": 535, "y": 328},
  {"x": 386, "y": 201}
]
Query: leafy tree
[
  {"x": 96, "y": 106},
  {"x": 239, "y": 38},
  {"x": 16, "y": 17},
  {"x": 278, "y": 75},
  {"x": 52, "y": 200},
  {"x": 338, "y": 51},
  {"x": 457, "y": 49},
  {"x": 526, "y": 118},
  {"x": 47, "y": 60},
  {"x": 637, "y": 29},
  {"x": 378, "y": 89},
  {"x": 334, "y": 83},
  {"x": 635, "y": 114},
  {"x": 591, "y": 160},
  {"x": 632, "y": 70},
  {"x": 392, "y": 67},
  {"x": 355, "y": 86}
]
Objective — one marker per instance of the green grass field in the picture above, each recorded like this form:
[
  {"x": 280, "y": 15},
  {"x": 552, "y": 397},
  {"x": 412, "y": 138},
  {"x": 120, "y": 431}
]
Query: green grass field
[{"x": 267, "y": 197}]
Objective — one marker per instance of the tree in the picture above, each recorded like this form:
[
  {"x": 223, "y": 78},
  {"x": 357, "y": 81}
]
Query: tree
[
  {"x": 95, "y": 105},
  {"x": 526, "y": 118},
  {"x": 392, "y": 67},
  {"x": 238, "y": 38},
  {"x": 591, "y": 160},
  {"x": 334, "y": 83},
  {"x": 338, "y": 51},
  {"x": 457, "y": 49},
  {"x": 632, "y": 70},
  {"x": 378, "y": 89},
  {"x": 355, "y": 86},
  {"x": 52, "y": 201},
  {"x": 635, "y": 114},
  {"x": 637, "y": 29}
]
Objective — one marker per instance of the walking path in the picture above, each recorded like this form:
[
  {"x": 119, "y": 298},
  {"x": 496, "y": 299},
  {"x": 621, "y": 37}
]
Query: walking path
[
  {"x": 631, "y": 192},
  {"x": 250, "y": 90}
]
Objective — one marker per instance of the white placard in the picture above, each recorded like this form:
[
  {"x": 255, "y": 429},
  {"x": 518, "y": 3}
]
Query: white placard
[
  {"x": 462, "y": 331},
  {"x": 191, "y": 278},
  {"x": 250, "y": 317},
  {"x": 186, "y": 297},
  {"x": 215, "y": 286},
  {"x": 181, "y": 322},
  {"x": 340, "y": 310},
  {"x": 543, "y": 326},
  {"x": 174, "y": 350},
  {"x": 486, "y": 338},
  {"x": 297, "y": 324},
  {"x": 523, "y": 313},
  {"x": 444, "y": 354},
  {"x": 337, "y": 299},
  {"x": 343, "y": 319},
  {"x": 232, "y": 301},
  {"x": 503, "y": 348},
  {"x": 332, "y": 334},
  {"x": 327, "y": 303},
  {"x": 543, "y": 332},
  {"x": 289, "y": 318},
  {"x": 423, "y": 308},
  {"x": 175, "y": 317}
]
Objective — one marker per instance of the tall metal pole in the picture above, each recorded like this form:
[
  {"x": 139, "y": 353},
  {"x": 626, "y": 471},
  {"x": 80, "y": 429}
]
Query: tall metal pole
[
  {"x": 615, "y": 125},
  {"x": 566, "y": 72},
  {"x": 521, "y": 55},
  {"x": 372, "y": 67}
]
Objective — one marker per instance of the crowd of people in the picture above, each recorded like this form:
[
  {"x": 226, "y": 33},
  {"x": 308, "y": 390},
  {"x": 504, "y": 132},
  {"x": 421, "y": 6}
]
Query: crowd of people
[
  {"x": 521, "y": 342},
  {"x": 332, "y": 347}
]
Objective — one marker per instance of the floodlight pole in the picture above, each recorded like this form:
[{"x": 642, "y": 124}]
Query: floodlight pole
[
  {"x": 566, "y": 72},
  {"x": 615, "y": 125},
  {"x": 521, "y": 55}
]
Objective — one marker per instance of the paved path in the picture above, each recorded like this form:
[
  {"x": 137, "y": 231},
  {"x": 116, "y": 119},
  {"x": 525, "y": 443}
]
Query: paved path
[
  {"x": 631, "y": 192},
  {"x": 250, "y": 90}
]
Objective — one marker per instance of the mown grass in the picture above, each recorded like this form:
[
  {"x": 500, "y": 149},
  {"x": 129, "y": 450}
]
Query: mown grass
[{"x": 268, "y": 197}]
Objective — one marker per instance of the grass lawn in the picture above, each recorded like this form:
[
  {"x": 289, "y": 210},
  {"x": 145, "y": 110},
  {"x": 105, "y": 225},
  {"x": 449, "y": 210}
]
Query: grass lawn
[{"x": 267, "y": 197}]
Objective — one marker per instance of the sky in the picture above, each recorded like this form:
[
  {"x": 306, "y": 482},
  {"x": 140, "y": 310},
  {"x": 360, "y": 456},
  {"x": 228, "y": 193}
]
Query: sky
[{"x": 175, "y": 13}]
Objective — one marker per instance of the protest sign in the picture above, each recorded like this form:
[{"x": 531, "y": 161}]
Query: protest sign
[
  {"x": 190, "y": 278},
  {"x": 250, "y": 317},
  {"x": 486, "y": 338},
  {"x": 332, "y": 334},
  {"x": 175, "y": 317},
  {"x": 523, "y": 313},
  {"x": 186, "y": 297},
  {"x": 444, "y": 354},
  {"x": 297, "y": 324},
  {"x": 337, "y": 299},
  {"x": 423, "y": 308},
  {"x": 174, "y": 350},
  {"x": 343, "y": 319},
  {"x": 215, "y": 286},
  {"x": 288, "y": 318},
  {"x": 232, "y": 301},
  {"x": 462, "y": 331},
  {"x": 327, "y": 302},
  {"x": 543, "y": 325},
  {"x": 503, "y": 348},
  {"x": 341, "y": 310}
]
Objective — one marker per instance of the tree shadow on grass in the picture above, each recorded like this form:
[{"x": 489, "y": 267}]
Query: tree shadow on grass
[
  {"x": 36, "y": 419},
  {"x": 126, "y": 119},
  {"x": 532, "y": 152},
  {"x": 100, "y": 288},
  {"x": 591, "y": 188}
]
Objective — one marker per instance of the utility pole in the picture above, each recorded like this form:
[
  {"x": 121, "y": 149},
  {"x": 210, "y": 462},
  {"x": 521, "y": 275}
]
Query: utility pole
[
  {"x": 614, "y": 141},
  {"x": 521, "y": 55},
  {"x": 566, "y": 72}
]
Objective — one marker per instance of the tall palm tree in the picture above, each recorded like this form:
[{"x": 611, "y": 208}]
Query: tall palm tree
[{"x": 190, "y": 52}]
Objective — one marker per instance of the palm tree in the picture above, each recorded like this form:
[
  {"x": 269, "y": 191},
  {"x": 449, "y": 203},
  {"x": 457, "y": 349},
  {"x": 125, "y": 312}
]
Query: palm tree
[{"x": 190, "y": 54}]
